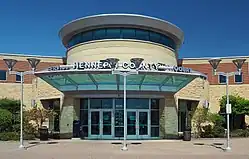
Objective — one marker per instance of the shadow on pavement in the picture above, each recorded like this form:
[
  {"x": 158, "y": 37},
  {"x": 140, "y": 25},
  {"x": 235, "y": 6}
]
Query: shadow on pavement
[
  {"x": 216, "y": 145},
  {"x": 132, "y": 143},
  {"x": 36, "y": 143}
]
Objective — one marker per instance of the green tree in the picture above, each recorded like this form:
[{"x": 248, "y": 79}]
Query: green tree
[{"x": 240, "y": 106}]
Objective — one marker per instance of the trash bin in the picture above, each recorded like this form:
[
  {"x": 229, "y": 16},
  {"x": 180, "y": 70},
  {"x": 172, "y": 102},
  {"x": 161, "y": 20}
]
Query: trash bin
[
  {"x": 76, "y": 129},
  {"x": 43, "y": 133},
  {"x": 187, "y": 135}
]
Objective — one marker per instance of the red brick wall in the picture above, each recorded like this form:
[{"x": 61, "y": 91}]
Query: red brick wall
[
  {"x": 223, "y": 67},
  {"x": 24, "y": 66}
]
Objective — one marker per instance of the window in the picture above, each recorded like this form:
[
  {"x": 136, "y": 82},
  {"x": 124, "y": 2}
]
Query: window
[
  {"x": 84, "y": 116},
  {"x": 113, "y": 33},
  {"x": 142, "y": 35},
  {"x": 155, "y": 37},
  {"x": 222, "y": 79},
  {"x": 18, "y": 78},
  {"x": 3, "y": 75},
  {"x": 128, "y": 34},
  {"x": 238, "y": 78},
  {"x": 99, "y": 34},
  {"x": 154, "y": 117},
  {"x": 122, "y": 33}
]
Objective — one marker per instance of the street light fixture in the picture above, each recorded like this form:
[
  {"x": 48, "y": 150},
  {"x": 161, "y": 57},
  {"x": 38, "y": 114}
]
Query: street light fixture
[
  {"x": 137, "y": 62},
  {"x": 112, "y": 62},
  {"x": 238, "y": 63},
  {"x": 10, "y": 64}
]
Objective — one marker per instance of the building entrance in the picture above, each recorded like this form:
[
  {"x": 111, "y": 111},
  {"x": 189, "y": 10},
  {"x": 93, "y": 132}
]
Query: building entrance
[{"x": 105, "y": 118}]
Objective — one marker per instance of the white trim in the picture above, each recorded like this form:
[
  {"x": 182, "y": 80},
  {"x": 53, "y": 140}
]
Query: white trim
[
  {"x": 207, "y": 58},
  {"x": 27, "y": 55}
]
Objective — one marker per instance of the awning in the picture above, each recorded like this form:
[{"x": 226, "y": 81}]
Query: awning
[{"x": 76, "y": 80}]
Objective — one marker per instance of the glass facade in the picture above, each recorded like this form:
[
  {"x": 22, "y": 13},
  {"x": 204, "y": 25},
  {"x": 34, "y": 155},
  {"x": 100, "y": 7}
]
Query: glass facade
[
  {"x": 103, "y": 118},
  {"x": 122, "y": 33}
]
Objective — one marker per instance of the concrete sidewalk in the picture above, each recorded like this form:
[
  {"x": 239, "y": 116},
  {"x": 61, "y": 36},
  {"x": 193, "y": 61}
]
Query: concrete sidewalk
[{"x": 64, "y": 149}]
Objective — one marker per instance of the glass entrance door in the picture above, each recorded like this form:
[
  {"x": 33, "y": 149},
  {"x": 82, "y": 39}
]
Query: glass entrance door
[
  {"x": 137, "y": 124},
  {"x": 131, "y": 124},
  {"x": 95, "y": 123},
  {"x": 106, "y": 123},
  {"x": 101, "y": 124},
  {"x": 143, "y": 124}
]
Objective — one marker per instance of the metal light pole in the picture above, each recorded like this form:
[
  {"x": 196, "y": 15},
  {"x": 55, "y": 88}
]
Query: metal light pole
[
  {"x": 10, "y": 64},
  {"x": 238, "y": 63},
  {"x": 125, "y": 73}
]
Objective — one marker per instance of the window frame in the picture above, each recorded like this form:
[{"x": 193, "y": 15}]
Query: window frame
[
  {"x": 241, "y": 78},
  {"x": 219, "y": 79},
  {"x": 6, "y": 75}
]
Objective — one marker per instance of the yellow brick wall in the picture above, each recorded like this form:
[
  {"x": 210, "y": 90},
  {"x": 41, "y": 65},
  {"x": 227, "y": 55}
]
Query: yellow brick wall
[
  {"x": 197, "y": 90},
  {"x": 13, "y": 91},
  {"x": 217, "y": 91}
]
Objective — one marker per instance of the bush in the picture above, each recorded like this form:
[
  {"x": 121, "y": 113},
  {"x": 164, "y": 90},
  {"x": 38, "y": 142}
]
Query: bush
[
  {"x": 5, "y": 120},
  {"x": 6, "y": 136},
  {"x": 240, "y": 133},
  {"x": 11, "y": 105}
]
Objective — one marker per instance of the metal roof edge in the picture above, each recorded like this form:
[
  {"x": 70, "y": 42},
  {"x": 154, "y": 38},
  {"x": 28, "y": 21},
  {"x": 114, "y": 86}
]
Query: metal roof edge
[{"x": 28, "y": 55}]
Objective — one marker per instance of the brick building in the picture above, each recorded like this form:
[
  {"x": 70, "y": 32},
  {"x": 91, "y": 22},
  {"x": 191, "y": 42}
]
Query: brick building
[{"x": 83, "y": 88}]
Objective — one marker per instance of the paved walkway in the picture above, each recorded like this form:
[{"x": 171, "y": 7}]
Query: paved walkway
[{"x": 77, "y": 149}]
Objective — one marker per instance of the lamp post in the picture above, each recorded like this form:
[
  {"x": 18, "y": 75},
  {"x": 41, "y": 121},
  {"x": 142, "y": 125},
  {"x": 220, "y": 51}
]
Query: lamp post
[
  {"x": 238, "y": 63},
  {"x": 125, "y": 73},
  {"x": 10, "y": 64}
]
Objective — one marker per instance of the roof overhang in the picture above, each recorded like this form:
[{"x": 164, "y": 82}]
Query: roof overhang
[
  {"x": 121, "y": 20},
  {"x": 70, "y": 78}
]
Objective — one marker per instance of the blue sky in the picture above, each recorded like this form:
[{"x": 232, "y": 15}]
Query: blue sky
[{"x": 211, "y": 27}]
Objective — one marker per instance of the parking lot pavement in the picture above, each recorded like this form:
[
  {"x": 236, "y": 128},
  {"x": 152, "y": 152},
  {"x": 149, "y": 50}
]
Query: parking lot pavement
[{"x": 73, "y": 149}]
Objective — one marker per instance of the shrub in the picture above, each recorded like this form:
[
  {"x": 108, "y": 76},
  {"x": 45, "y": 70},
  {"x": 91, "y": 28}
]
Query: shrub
[
  {"x": 10, "y": 104},
  {"x": 240, "y": 133},
  {"x": 5, "y": 120},
  {"x": 6, "y": 136}
]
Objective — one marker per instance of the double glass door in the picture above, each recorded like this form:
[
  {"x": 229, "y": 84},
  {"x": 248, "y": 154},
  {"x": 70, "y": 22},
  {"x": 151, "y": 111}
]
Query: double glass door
[
  {"x": 138, "y": 124},
  {"x": 101, "y": 123}
]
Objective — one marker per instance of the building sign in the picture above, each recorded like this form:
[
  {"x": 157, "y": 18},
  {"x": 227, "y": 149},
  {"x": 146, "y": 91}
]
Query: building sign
[{"x": 99, "y": 65}]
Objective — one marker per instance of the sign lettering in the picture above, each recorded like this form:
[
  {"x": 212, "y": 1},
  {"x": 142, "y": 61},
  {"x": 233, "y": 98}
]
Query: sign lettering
[{"x": 99, "y": 65}]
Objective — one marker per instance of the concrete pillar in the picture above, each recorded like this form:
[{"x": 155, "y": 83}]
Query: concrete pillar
[
  {"x": 66, "y": 118},
  {"x": 76, "y": 109},
  {"x": 162, "y": 132},
  {"x": 171, "y": 117}
]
